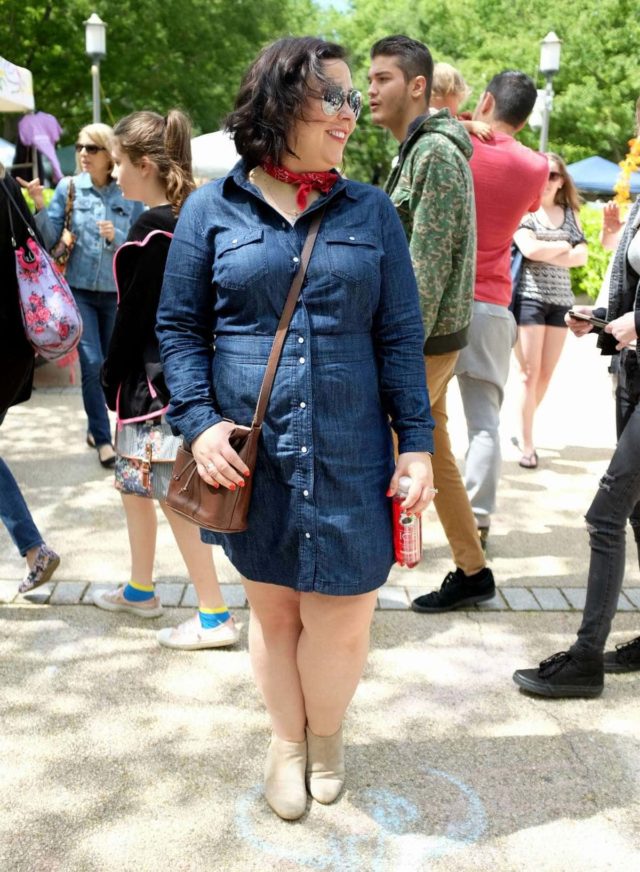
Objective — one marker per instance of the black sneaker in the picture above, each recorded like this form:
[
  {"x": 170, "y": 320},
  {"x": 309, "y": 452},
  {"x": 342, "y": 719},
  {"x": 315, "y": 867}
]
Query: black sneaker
[
  {"x": 626, "y": 657},
  {"x": 457, "y": 590},
  {"x": 563, "y": 675}
]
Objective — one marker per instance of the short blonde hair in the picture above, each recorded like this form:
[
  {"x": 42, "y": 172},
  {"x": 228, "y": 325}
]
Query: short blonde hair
[
  {"x": 447, "y": 80},
  {"x": 99, "y": 134}
]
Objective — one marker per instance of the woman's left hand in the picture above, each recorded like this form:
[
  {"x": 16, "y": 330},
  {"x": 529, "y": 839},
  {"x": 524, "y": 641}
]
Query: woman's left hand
[
  {"x": 107, "y": 230},
  {"x": 417, "y": 466},
  {"x": 623, "y": 329}
]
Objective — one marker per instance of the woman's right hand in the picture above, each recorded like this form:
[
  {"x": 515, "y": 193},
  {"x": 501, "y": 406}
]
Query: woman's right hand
[
  {"x": 34, "y": 189},
  {"x": 217, "y": 462},
  {"x": 578, "y": 327},
  {"x": 611, "y": 222}
]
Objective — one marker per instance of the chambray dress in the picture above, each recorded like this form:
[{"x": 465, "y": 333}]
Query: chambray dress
[{"x": 352, "y": 361}]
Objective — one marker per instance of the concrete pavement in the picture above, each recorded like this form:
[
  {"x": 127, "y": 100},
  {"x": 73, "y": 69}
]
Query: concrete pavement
[{"x": 119, "y": 755}]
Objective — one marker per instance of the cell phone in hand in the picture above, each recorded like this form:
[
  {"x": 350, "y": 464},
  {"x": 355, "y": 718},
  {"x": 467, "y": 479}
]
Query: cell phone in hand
[{"x": 582, "y": 316}]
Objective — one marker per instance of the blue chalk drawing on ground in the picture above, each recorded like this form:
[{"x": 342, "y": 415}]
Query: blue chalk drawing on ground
[{"x": 395, "y": 847}]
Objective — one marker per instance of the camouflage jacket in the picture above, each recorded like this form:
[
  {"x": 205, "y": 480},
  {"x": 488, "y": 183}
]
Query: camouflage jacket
[{"x": 432, "y": 190}]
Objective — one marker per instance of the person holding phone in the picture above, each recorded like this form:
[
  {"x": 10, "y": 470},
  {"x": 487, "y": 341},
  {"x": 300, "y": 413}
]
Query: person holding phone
[
  {"x": 579, "y": 672},
  {"x": 100, "y": 221}
]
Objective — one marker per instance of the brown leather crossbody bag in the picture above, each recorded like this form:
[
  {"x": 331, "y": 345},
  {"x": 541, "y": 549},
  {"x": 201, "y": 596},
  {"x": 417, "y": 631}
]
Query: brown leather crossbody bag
[{"x": 220, "y": 509}]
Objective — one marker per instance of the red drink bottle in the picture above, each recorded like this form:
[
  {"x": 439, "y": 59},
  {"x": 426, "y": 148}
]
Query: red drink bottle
[{"x": 407, "y": 528}]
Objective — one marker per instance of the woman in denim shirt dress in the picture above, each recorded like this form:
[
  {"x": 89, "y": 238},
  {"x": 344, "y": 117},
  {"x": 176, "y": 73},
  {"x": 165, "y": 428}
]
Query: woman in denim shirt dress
[
  {"x": 319, "y": 542},
  {"x": 100, "y": 221}
]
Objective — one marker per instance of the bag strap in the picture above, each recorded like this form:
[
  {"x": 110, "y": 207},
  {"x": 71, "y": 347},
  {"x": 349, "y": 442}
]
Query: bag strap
[
  {"x": 285, "y": 320},
  {"x": 5, "y": 188},
  {"x": 68, "y": 206}
]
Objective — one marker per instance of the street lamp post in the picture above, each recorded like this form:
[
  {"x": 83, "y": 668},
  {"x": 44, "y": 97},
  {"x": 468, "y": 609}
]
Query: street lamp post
[
  {"x": 96, "y": 48},
  {"x": 549, "y": 66}
]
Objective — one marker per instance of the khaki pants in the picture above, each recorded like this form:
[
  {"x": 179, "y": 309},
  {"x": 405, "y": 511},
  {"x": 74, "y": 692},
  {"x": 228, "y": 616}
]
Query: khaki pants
[{"x": 452, "y": 503}]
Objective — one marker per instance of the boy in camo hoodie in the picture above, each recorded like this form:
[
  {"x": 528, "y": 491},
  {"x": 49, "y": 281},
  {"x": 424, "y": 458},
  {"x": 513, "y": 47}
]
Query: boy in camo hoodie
[{"x": 432, "y": 188}]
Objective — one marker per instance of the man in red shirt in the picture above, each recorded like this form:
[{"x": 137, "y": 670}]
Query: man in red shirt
[{"x": 508, "y": 179}]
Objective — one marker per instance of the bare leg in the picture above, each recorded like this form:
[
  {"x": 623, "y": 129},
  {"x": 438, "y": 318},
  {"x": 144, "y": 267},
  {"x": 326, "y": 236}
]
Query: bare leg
[
  {"x": 528, "y": 354},
  {"x": 332, "y": 652},
  {"x": 142, "y": 526},
  {"x": 274, "y": 633},
  {"x": 554, "y": 339},
  {"x": 198, "y": 558}
]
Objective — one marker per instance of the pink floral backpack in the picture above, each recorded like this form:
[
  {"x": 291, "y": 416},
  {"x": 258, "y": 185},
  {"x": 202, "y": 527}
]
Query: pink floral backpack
[{"x": 52, "y": 322}]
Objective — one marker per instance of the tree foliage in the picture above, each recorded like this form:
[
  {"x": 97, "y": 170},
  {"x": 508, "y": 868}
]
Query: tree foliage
[
  {"x": 192, "y": 53},
  {"x": 187, "y": 53},
  {"x": 595, "y": 90}
]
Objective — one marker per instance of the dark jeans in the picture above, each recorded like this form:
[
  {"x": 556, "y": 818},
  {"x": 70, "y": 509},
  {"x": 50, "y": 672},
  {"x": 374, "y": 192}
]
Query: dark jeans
[
  {"x": 615, "y": 503},
  {"x": 14, "y": 512},
  {"x": 98, "y": 310}
]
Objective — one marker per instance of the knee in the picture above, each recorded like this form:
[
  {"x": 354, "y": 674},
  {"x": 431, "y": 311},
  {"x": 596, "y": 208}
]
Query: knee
[
  {"x": 278, "y": 623},
  {"x": 530, "y": 374},
  {"x": 603, "y": 516},
  {"x": 90, "y": 359},
  {"x": 347, "y": 632}
]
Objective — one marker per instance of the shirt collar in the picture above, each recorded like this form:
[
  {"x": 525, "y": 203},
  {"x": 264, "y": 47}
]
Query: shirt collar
[
  {"x": 83, "y": 180},
  {"x": 414, "y": 126}
]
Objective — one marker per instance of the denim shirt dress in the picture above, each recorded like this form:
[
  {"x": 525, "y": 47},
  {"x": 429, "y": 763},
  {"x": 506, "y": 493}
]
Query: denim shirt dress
[{"x": 352, "y": 362}]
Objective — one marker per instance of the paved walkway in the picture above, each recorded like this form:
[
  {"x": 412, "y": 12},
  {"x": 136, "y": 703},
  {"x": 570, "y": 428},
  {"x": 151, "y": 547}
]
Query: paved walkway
[
  {"x": 538, "y": 540},
  {"x": 178, "y": 594},
  {"x": 117, "y": 754}
]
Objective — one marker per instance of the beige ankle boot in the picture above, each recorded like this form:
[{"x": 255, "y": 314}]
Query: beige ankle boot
[
  {"x": 284, "y": 778},
  {"x": 325, "y": 765}
]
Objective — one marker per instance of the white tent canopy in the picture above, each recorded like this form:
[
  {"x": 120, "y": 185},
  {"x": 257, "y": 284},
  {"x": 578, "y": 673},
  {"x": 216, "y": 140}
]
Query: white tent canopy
[
  {"x": 7, "y": 152},
  {"x": 16, "y": 88},
  {"x": 213, "y": 155}
]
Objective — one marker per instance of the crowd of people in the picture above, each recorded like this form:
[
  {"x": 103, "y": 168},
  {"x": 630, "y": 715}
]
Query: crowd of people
[{"x": 181, "y": 291}]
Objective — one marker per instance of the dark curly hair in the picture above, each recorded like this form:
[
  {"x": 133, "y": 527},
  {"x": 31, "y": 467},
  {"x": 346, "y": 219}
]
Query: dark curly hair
[{"x": 273, "y": 93}]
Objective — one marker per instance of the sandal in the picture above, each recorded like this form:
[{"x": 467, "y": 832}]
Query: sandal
[{"x": 529, "y": 461}]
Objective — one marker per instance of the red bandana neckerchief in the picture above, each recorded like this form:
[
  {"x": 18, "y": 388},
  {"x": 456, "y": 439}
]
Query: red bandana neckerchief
[{"x": 307, "y": 181}]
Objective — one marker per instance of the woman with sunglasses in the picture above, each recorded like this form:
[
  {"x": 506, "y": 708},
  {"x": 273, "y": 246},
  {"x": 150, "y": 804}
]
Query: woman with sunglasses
[
  {"x": 319, "y": 541},
  {"x": 552, "y": 242},
  {"x": 100, "y": 222}
]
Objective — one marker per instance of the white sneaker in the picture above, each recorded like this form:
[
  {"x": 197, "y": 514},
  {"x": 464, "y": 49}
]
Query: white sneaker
[
  {"x": 114, "y": 601},
  {"x": 191, "y": 635}
]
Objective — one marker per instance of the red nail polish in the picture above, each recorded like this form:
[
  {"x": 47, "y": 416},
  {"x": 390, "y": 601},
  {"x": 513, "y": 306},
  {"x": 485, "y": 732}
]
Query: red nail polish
[
  {"x": 247, "y": 474},
  {"x": 388, "y": 493},
  {"x": 241, "y": 484},
  {"x": 232, "y": 487}
]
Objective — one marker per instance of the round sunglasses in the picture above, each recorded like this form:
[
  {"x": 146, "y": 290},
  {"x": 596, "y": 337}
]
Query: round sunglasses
[
  {"x": 333, "y": 99},
  {"x": 90, "y": 148}
]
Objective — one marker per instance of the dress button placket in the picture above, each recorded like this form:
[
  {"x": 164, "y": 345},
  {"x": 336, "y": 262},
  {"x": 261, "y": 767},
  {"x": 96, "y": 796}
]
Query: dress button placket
[{"x": 306, "y": 514}]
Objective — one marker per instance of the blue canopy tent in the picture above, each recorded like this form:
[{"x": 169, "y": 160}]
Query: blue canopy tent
[{"x": 595, "y": 175}]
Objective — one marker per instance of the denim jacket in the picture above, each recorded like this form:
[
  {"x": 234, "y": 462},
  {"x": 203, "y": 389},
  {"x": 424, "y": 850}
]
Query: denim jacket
[{"x": 91, "y": 263}]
